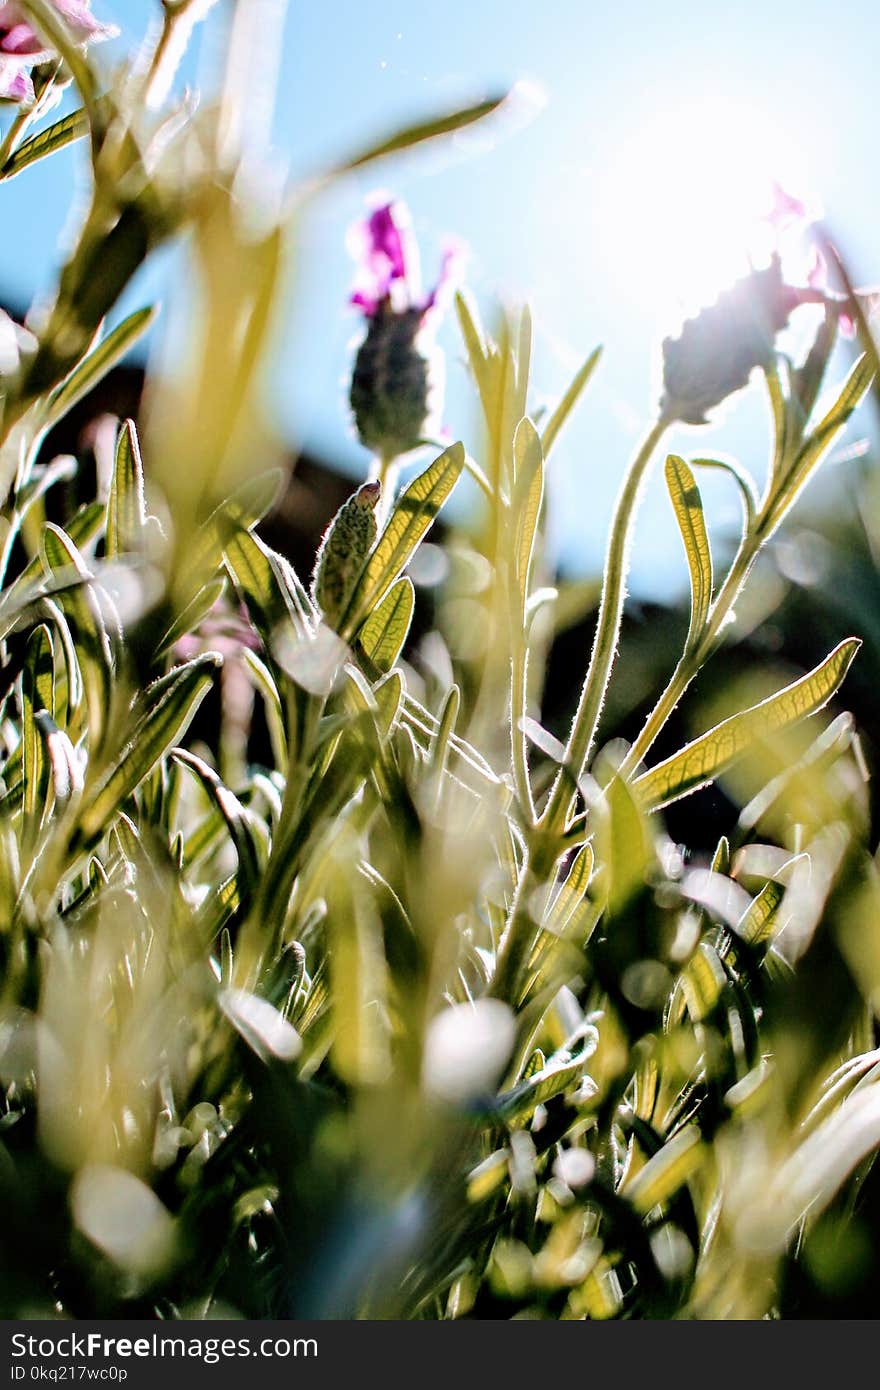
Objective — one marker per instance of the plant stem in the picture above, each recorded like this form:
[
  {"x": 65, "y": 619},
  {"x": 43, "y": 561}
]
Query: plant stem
[
  {"x": 10, "y": 140},
  {"x": 693, "y": 660},
  {"x": 519, "y": 657},
  {"x": 385, "y": 472},
  {"x": 592, "y": 698}
]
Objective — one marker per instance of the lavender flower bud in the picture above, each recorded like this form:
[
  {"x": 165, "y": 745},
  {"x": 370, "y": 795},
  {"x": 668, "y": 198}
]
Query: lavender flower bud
[
  {"x": 391, "y": 384},
  {"x": 347, "y": 542},
  {"x": 397, "y": 377}
]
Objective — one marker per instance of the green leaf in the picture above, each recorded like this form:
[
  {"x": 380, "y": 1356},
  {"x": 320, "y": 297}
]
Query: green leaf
[
  {"x": 623, "y": 848},
  {"x": 516, "y": 1107},
  {"x": 688, "y": 507},
  {"x": 569, "y": 401},
  {"x": 81, "y": 529},
  {"x": 572, "y": 891},
  {"x": 779, "y": 411},
  {"x": 260, "y": 1024},
  {"x": 267, "y": 585},
  {"x": 477, "y": 348},
  {"x": 62, "y": 559},
  {"x": 807, "y": 379},
  {"x": 756, "y": 924},
  {"x": 265, "y": 682},
  {"x": 416, "y": 509},
  {"x": 444, "y": 124},
  {"x": 246, "y": 831},
  {"x": 702, "y": 981},
  {"x": 126, "y": 508},
  {"x": 343, "y": 552},
  {"x": 528, "y": 495},
  {"x": 36, "y": 688},
  {"x": 445, "y": 729},
  {"x": 359, "y": 978},
  {"x": 854, "y": 307},
  {"x": 245, "y": 506},
  {"x": 701, "y": 761},
  {"x": 817, "y": 444},
  {"x": 192, "y": 614},
  {"x": 384, "y": 633},
  {"x": 99, "y": 362},
  {"x": 388, "y": 695},
  {"x": 741, "y": 478},
  {"x": 667, "y": 1171},
  {"x": 154, "y": 736},
  {"x": 46, "y": 142}
]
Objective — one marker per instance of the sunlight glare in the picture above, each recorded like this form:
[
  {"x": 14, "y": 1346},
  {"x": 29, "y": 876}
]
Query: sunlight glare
[{"x": 684, "y": 205}]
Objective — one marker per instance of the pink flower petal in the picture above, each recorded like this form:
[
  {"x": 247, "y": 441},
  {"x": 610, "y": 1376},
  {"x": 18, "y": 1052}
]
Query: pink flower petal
[
  {"x": 22, "y": 42},
  {"x": 18, "y": 37},
  {"x": 451, "y": 272},
  {"x": 817, "y": 275},
  {"x": 15, "y": 83},
  {"x": 786, "y": 208},
  {"x": 386, "y": 257},
  {"x": 386, "y": 241}
]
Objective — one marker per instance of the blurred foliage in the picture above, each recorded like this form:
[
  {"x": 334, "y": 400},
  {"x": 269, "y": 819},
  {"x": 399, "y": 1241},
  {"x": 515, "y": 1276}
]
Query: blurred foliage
[{"x": 426, "y": 1014}]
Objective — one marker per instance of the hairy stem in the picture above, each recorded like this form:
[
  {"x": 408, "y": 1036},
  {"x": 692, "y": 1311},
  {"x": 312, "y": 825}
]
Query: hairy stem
[{"x": 592, "y": 698}]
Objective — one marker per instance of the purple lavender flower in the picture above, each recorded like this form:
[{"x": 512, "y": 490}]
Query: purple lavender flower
[
  {"x": 396, "y": 378},
  {"x": 718, "y": 349},
  {"x": 22, "y": 48},
  {"x": 15, "y": 82}
]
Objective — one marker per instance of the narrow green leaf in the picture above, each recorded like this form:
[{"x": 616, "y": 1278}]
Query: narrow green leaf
[
  {"x": 265, "y": 682},
  {"x": 46, "y": 142},
  {"x": 623, "y": 848},
  {"x": 528, "y": 495},
  {"x": 62, "y": 559},
  {"x": 702, "y": 981},
  {"x": 743, "y": 480},
  {"x": 516, "y": 1107},
  {"x": 701, "y": 761},
  {"x": 36, "y": 683},
  {"x": 817, "y": 444},
  {"x": 192, "y": 614},
  {"x": 246, "y": 831},
  {"x": 688, "y": 507},
  {"x": 383, "y": 635},
  {"x": 267, "y": 585},
  {"x": 416, "y": 509},
  {"x": 99, "y": 362},
  {"x": 477, "y": 349},
  {"x": 572, "y": 890},
  {"x": 404, "y": 139},
  {"x": 779, "y": 412},
  {"x": 154, "y": 736},
  {"x": 126, "y": 508},
  {"x": 388, "y": 695},
  {"x": 448, "y": 717},
  {"x": 756, "y": 924},
  {"x": 807, "y": 379},
  {"x": 261, "y": 1026},
  {"x": 667, "y": 1171},
  {"x": 560, "y": 415}
]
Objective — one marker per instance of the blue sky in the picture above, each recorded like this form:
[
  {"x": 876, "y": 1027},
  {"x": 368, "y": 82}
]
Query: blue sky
[{"x": 599, "y": 211}]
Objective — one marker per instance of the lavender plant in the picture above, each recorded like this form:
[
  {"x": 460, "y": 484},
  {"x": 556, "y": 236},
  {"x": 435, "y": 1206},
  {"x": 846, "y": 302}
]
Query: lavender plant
[{"x": 419, "y": 1018}]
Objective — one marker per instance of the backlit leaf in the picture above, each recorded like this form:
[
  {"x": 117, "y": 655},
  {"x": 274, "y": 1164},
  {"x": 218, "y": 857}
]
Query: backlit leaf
[{"x": 701, "y": 761}]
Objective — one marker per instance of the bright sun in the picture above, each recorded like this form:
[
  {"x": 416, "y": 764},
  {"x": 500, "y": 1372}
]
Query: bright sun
[{"x": 683, "y": 206}]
